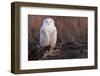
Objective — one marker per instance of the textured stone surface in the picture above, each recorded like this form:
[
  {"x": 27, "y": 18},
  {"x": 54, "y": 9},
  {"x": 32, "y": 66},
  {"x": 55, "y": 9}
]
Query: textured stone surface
[{"x": 65, "y": 51}]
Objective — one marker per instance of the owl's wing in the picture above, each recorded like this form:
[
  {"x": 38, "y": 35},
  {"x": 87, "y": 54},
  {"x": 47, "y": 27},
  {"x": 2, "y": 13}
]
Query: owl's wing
[
  {"x": 41, "y": 38},
  {"x": 44, "y": 37}
]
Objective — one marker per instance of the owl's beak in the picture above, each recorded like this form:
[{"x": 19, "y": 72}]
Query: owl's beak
[{"x": 48, "y": 24}]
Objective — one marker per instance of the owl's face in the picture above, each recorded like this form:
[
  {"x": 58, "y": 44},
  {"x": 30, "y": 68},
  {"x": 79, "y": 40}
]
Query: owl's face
[{"x": 48, "y": 21}]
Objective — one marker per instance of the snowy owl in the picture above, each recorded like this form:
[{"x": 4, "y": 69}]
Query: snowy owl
[{"x": 48, "y": 33}]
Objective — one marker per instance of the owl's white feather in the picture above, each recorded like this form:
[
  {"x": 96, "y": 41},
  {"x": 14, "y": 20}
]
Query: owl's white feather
[{"x": 48, "y": 33}]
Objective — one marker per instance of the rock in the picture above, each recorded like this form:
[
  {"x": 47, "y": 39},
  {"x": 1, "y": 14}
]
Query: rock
[
  {"x": 68, "y": 50},
  {"x": 52, "y": 54}
]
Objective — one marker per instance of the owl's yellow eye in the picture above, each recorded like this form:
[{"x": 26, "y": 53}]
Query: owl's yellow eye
[{"x": 50, "y": 21}]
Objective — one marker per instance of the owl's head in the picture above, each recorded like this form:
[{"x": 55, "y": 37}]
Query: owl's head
[{"x": 48, "y": 21}]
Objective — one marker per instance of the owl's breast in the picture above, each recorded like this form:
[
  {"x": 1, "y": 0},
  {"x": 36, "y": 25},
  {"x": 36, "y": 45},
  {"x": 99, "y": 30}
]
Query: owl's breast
[{"x": 50, "y": 29}]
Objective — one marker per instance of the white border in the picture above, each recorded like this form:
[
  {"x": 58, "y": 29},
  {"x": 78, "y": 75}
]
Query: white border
[{"x": 25, "y": 64}]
